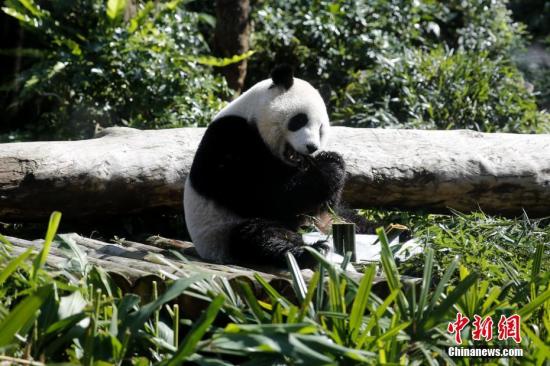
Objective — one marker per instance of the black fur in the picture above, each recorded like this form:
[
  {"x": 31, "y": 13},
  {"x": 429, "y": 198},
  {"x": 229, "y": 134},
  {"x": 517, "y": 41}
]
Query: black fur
[
  {"x": 235, "y": 168},
  {"x": 282, "y": 75},
  {"x": 263, "y": 241},
  {"x": 298, "y": 121}
]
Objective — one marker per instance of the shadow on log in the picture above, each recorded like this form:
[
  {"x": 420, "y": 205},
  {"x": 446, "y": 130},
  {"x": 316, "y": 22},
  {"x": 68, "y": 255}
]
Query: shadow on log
[{"x": 130, "y": 171}]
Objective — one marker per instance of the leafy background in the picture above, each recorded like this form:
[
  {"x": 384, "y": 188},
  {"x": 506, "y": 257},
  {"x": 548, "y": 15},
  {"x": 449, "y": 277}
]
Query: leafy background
[
  {"x": 85, "y": 65},
  {"x": 397, "y": 63}
]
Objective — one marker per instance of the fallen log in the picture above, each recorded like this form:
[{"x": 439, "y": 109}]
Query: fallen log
[
  {"x": 134, "y": 266},
  {"x": 130, "y": 171}
]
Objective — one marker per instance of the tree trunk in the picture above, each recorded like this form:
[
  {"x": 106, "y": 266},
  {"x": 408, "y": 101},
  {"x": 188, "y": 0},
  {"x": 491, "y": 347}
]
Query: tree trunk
[
  {"x": 231, "y": 38},
  {"x": 131, "y": 171}
]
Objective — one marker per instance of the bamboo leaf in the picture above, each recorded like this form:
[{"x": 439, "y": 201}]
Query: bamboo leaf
[
  {"x": 13, "y": 265},
  {"x": 426, "y": 279},
  {"x": 390, "y": 270},
  {"x": 22, "y": 314},
  {"x": 221, "y": 62},
  {"x": 135, "y": 321},
  {"x": 40, "y": 260},
  {"x": 115, "y": 8},
  {"x": 361, "y": 299},
  {"x": 31, "y": 7},
  {"x": 526, "y": 311},
  {"x": 252, "y": 302},
  {"x": 298, "y": 282},
  {"x": 460, "y": 290},
  {"x": 23, "y": 18},
  {"x": 196, "y": 333}
]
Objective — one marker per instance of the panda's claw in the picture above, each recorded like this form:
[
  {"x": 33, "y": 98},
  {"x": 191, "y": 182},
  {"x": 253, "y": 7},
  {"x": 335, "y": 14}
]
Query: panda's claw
[
  {"x": 332, "y": 158},
  {"x": 321, "y": 246},
  {"x": 305, "y": 259}
]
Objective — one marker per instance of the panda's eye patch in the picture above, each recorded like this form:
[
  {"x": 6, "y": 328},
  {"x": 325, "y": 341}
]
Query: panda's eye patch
[{"x": 297, "y": 122}]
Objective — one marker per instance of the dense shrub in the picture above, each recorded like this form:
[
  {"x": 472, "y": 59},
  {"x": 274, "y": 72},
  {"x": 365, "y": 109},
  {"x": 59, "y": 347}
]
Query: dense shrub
[
  {"x": 379, "y": 63},
  {"x": 402, "y": 63},
  {"x": 96, "y": 68},
  {"x": 440, "y": 90}
]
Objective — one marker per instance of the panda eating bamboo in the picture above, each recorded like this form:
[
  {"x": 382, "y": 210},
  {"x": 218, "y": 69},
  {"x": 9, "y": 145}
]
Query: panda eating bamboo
[{"x": 260, "y": 171}]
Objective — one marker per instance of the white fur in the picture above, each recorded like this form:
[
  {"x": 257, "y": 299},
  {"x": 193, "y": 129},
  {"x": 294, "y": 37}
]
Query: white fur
[
  {"x": 209, "y": 224},
  {"x": 270, "y": 108}
]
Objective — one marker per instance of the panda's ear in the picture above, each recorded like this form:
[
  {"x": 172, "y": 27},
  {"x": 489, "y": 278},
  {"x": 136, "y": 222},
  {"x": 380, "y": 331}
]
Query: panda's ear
[{"x": 283, "y": 76}]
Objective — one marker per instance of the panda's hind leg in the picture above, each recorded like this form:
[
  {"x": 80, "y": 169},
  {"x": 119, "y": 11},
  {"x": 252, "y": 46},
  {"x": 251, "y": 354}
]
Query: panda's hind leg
[{"x": 260, "y": 241}]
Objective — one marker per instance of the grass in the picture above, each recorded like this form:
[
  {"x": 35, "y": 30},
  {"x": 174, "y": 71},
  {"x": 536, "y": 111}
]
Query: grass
[{"x": 473, "y": 264}]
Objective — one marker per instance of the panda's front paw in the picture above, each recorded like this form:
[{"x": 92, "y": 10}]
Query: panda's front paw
[
  {"x": 305, "y": 259},
  {"x": 331, "y": 159},
  {"x": 321, "y": 246},
  {"x": 332, "y": 167}
]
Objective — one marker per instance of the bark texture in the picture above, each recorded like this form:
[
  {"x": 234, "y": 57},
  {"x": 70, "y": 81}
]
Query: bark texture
[
  {"x": 130, "y": 171},
  {"x": 134, "y": 266},
  {"x": 231, "y": 37}
]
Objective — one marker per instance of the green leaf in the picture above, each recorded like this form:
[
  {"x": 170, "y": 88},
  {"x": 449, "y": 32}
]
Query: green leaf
[
  {"x": 274, "y": 295},
  {"x": 40, "y": 260},
  {"x": 142, "y": 14},
  {"x": 22, "y": 314},
  {"x": 115, "y": 8},
  {"x": 390, "y": 333},
  {"x": 220, "y": 62},
  {"x": 62, "y": 326},
  {"x": 446, "y": 305},
  {"x": 75, "y": 254},
  {"x": 442, "y": 284},
  {"x": 13, "y": 265},
  {"x": 526, "y": 311},
  {"x": 196, "y": 333},
  {"x": 32, "y": 7},
  {"x": 390, "y": 270},
  {"x": 426, "y": 280},
  {"x": 360, "y": 301},
  {"x": 23, "y": 18},
  {"x": 298, "y": 282},
  {"x": 327, "y": 346},
  {"x": 537, "y": 260},
  {"x": 302, "y": 328},
  {"x": 251, "y": 301},
  {"x": 307, "y": 303},
  {"x": 544, "y": 349},
  {"x": 135, "y": 321}
]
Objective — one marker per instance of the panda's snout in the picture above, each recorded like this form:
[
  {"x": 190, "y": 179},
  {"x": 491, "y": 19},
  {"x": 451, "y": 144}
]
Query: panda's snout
[{"x": 311, "y": 148}]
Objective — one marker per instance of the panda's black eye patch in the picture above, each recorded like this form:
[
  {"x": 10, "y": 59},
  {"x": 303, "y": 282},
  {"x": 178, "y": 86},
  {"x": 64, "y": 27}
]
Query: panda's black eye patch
[{"x": 297, "y": 122}]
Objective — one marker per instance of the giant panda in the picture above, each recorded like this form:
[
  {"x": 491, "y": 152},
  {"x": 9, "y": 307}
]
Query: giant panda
[{"x": 259, "y": 172}]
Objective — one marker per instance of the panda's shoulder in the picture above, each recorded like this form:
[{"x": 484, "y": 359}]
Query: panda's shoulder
[
  {"x": 230, "y": 124},
  {"x": 230, "y": 127},
  {"x": 233, "y": 132}
]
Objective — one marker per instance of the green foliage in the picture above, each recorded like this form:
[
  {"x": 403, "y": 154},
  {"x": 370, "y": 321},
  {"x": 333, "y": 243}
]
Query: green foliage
[
  {"x": 79, "y": 316},
  {"x": 492, "y": 245},
  {"x": 440, "y": 90},
  {"x": 401, "y": 63},
  {"x": 398, "y": 63},
  {"x": 100, "y": 66}
]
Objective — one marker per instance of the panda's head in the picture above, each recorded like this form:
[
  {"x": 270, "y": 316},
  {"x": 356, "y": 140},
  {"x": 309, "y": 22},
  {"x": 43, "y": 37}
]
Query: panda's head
[{"x": 288, "y": 112}]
